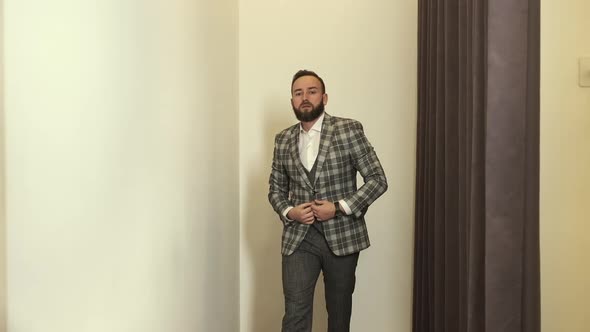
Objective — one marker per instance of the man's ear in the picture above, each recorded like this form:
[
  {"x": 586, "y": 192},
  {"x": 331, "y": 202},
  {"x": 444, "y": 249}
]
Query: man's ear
[{"x": 325, "y": 98}]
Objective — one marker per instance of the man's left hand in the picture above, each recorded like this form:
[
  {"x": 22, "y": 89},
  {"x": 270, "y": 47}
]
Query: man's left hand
[{"x": 323, "y": 210}]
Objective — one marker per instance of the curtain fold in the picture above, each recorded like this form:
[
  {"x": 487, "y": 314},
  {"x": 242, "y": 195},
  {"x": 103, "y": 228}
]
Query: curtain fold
[{"x": 476, "y": 265}]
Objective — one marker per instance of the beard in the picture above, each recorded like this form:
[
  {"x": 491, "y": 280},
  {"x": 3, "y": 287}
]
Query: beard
[{"x": 304, "y": 116}]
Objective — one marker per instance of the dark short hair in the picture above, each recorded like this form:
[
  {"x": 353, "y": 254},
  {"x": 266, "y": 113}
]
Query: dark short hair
[{"x": 305, "y": 72}]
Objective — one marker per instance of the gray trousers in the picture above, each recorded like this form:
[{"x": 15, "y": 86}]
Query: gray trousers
[{"x": 300, "y": 274}]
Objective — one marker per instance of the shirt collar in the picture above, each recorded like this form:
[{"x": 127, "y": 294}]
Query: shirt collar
[{"x": 317, "y": 126}]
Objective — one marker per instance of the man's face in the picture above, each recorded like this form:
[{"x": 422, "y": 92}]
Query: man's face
[{"x": 308, "y": 99}]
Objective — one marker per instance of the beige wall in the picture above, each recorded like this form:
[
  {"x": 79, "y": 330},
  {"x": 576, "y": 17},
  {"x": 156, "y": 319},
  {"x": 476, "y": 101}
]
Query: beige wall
[
  {"x": 121, "y": 148},
  {"x": 123, "y": 159},
  {"x": 2, "y": 209},
  {"x": 366, "y": 52},
  {"x": 565, "y": 165}
]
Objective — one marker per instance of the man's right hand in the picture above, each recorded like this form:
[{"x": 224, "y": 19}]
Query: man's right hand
[{"x": 302, "y": 213}]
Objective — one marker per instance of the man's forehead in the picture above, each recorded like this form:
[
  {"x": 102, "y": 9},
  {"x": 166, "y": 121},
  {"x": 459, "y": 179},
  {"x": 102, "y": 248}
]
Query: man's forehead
[{"x": 306, "y": 82}]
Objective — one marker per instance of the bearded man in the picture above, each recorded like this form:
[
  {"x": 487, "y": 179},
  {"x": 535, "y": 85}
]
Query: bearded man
[{"x": 313, "y": 189}]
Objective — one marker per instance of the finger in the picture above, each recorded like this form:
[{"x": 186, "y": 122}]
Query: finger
[
  {"x": 320, "y": 201},
  {"x": 320, "y": 209},
  {"x": 318, "y": 206}
]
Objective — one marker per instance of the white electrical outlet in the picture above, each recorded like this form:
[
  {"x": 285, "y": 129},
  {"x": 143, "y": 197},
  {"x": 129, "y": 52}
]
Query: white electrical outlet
[{"x": 584, "y": 80}]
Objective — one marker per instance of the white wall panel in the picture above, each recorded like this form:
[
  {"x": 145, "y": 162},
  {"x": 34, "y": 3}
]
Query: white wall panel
[{"x": 121, "y": 145}]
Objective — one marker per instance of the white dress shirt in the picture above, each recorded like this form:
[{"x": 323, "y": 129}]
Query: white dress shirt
[{"x": 309, "y": 143}]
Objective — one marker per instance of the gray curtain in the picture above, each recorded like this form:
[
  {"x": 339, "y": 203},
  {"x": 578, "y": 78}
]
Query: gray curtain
[{"x": 476, "y": 264}]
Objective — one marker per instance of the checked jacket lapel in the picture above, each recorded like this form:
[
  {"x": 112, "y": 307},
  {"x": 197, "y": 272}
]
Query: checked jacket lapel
[{"x": 325, "y": 142}]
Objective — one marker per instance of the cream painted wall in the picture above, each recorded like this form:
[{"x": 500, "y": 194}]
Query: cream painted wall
[
  {"x": 565, "y": 165},
  {"x": 2, "y": 186},
  {"x": 111, "y": 112},
  {"x": 366, "y": 52},
  {"x": 121, "y": 145}
]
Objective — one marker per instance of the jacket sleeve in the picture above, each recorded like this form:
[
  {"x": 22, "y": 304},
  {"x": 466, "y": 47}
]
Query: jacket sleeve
[
  {"x": 365, "y": 161},
  {"x": 278, "y": 194}
]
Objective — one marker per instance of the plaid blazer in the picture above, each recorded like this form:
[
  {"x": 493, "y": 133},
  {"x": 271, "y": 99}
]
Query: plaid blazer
[{"x": 344, "y": 151}]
